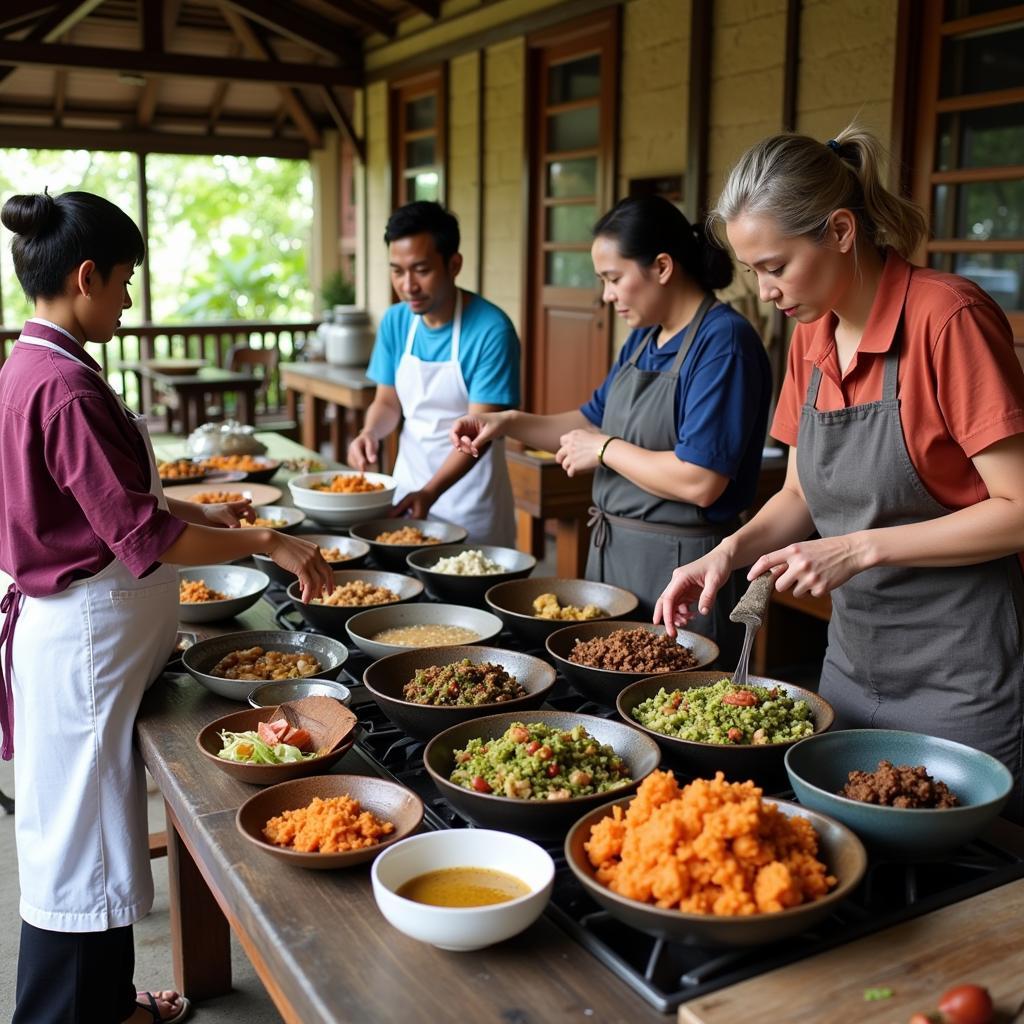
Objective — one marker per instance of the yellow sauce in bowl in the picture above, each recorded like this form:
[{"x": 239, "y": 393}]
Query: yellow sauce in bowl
[{"x": 463, "y": 887}]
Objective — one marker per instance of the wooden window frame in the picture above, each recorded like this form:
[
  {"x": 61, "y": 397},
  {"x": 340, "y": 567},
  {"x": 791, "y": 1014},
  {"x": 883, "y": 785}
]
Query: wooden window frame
[
  {"x": 922, "y": 27},
  {"x": 401, "y": 92}
]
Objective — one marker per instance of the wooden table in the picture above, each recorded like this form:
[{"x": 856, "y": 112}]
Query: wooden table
[
  {"x": 542, "y": 490},
  {"x": 347, "y": 390},
  {"x": 187, "y": 392}
]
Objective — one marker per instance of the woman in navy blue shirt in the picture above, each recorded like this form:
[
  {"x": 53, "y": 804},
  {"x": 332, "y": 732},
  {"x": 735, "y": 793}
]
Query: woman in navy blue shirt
[{"x": 676, "y": 430}]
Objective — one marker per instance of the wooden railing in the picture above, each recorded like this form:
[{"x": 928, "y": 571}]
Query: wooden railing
[{"x": 210, "y": 341}]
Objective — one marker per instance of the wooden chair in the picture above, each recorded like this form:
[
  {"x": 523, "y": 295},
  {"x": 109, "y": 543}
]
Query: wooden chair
[{"x": 260, "y": 362}]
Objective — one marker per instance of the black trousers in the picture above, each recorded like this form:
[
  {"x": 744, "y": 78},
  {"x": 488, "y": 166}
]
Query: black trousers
[{"x": 75, "y": 977}]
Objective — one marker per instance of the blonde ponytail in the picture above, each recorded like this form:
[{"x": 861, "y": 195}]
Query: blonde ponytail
[{"x": 799, "y": 182}]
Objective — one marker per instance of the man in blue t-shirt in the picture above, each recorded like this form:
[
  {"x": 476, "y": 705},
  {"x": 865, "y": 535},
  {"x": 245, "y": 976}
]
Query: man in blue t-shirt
[{"x": 440, "y": 353}]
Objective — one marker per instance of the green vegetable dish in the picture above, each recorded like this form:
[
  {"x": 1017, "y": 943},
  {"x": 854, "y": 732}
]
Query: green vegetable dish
[
  {"x": 248, "y": 748},
  {"x": 537, "y": 762},
  {"x": 461, "y": 684},
  {"x": 723, "y": 713}
]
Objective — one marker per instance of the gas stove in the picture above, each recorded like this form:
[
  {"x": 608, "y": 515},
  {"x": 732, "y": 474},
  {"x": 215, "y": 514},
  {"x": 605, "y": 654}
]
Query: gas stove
[{"x": 667, "y": 973}]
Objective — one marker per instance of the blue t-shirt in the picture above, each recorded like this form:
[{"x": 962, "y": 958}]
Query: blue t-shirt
[
  {"x": 488, "y": 349},
  {"x": 721, "y": 406}
]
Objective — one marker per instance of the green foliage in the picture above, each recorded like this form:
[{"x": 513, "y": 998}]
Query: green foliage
[
  {"x": 337, "y": 290},
  {"x": 229, "y": 236}
]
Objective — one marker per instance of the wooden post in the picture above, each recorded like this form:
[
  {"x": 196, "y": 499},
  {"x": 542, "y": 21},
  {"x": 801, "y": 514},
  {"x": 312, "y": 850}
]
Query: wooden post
[{"x": 147, "y": 295}]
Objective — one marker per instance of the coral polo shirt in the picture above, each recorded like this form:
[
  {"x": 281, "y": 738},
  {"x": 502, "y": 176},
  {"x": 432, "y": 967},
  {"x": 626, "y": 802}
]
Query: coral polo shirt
[{"x": 961, "y": 387}]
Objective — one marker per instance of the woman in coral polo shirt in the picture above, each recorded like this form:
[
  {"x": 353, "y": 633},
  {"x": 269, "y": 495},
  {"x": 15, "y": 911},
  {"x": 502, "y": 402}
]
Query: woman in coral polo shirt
[{"x": 903, "y": 406}]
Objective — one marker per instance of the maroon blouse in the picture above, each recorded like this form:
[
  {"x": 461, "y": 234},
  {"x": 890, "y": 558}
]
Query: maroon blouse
[{"x": 74, "y": 473}]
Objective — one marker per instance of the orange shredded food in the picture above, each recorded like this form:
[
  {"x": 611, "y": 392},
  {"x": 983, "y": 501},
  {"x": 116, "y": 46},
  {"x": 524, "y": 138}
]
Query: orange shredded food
[
  {"x": 353, "y": 483},
  {"x": 328, "y": 826},
  {"x": 197, "y": 592},
  {"x": 712, "y": 847},
  {"x": 216, "y": 497}
]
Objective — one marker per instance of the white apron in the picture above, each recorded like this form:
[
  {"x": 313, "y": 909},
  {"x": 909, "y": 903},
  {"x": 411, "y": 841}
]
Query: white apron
[
  {"x": 433, "y": 396},
  {"x": 82, "y": 660}
]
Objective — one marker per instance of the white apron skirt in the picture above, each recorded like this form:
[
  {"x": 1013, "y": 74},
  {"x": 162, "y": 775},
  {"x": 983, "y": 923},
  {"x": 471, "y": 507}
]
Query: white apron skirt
[{"x": 82, "y": 660}]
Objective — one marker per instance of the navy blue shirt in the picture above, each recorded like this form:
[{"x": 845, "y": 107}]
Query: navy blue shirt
[{"x": 721, "y": 406}]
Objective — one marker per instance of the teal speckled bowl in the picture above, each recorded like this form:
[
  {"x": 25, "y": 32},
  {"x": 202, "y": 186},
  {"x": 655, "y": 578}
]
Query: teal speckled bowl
[{"x": 819, "y": 765}]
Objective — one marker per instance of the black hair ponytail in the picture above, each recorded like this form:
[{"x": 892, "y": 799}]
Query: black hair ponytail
[{"x": 644, "y": 226}]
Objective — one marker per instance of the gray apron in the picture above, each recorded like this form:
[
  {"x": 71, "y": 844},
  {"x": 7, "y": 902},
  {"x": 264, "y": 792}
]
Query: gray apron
[
  {"x": 932, "y": 650},
  {"x": 637, "y": 538}
]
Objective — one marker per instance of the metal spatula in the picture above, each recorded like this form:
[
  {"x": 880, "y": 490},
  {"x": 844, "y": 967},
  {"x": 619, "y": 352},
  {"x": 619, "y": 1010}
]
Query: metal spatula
[{"x": 750, "y": 610}]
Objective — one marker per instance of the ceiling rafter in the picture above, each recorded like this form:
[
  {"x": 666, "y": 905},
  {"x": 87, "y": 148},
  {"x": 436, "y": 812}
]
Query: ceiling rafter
[
  {"x": 56, "y": 23},
  {"x": 173, "y": 65},
  {"x": 150, "y": 95},
  {"x": 16, "y": 14},
  {"x": 60, "y": 96},
  {"x": 343, "y": 121},
  {"x": 432, "y": 8},
  {"x": 258, "y": 47},
  {"x": 366, "y": 14},
  {"x": 301, "y": 26},
  {"x": 152, "y": 16}
]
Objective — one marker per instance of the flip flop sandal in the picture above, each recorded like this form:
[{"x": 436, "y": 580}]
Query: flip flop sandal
[{"x": 183, "y": 1014}]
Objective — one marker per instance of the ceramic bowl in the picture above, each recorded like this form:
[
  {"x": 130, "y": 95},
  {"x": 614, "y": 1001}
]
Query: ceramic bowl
[
  {"x": 269, "y": 695},
  {"x": 763, "y": 763},
  {"x": 548, "y": 819},
  {"x": 304, "y": 487},
  {"x": 243, "y": 586},
  {"x": 362, "y": 628},
  {"x": 331, "y": 618},
  {"x": 819, "y": 765},
  {"x": 462, "y": 928},
  {"x": 209, "y": 743},
  {"x": 203, "y": 656},
  {"x": 386, "y": 678},
  {"x": 387, "y": 800},
  {"x": 604, "y": 685},
  {"x": 293, "y": 517},
  {"x": 442, "y": 586},
  {"x": 356, "y": 553},
  {"x": 513, "y": 602},
  {"x": 839, "y": 849},
  {"x": 392, "y": 556}
]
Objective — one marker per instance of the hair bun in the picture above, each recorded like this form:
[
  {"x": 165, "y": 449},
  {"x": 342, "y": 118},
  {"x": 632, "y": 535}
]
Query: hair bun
[{"x": 30, "y": 216}]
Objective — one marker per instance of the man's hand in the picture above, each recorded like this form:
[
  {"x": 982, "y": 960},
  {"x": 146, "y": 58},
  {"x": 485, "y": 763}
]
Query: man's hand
[
  {"x": 362, "y": 452},
  {"x": 415, "y": 503}
]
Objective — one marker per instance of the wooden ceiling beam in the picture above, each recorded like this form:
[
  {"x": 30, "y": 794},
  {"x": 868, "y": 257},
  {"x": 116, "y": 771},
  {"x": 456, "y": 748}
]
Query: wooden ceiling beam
[
  {"x": 343, "y": 121},
  {"x": 258, "y": 47},
  {"x": 366, "y": 14},
  {"x": 150, "y": 95},
  {"x": 30, "y": 137},
  {"x": 432, "y": 8},
  {"x": 16, "y": 14},
  {"x": 174, "y": 65},
  {"x": 301, "y": 26},
  {"x": 152, "y": 25},
  {"x": 52, "y": 26},
  {"x": 60, "y": 96}
]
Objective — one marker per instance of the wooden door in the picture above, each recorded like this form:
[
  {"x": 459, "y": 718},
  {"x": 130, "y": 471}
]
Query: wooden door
[{"x": 572, "y": 94}]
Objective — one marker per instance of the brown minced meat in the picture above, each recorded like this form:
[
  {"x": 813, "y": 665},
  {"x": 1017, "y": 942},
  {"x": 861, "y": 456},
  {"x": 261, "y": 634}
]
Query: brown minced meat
[
  {"x": 633, "y": 650},
  {"x": 898, "y": 786}
]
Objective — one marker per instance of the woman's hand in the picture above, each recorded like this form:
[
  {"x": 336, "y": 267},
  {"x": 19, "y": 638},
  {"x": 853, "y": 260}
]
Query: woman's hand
[
  {"x": 815, "y": 567},
  {"x": 472, "y": 433},
  {"x": 229, "y": 514},
  {"x": 302, "y": 558},
  {"x": 578, "y": 451},
  {"x": 416, "y": 504},
  {"x": 698, "y": 582}
]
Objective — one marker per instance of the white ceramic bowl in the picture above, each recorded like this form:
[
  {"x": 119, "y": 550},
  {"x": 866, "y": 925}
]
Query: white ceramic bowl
[
  {"x": 462, "y": 928},
  {"x": 243, "y": 586},
  {"x": 292, "y": 517},
  {"x": 342, "y": 516},
  {"x": 306, "y": 496}
]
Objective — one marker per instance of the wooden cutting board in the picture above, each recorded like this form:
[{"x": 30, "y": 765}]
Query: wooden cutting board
[{"x": 980, "y": 940}]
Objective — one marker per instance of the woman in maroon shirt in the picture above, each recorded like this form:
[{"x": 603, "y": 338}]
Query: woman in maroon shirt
[{"x": 90, "y": 619}]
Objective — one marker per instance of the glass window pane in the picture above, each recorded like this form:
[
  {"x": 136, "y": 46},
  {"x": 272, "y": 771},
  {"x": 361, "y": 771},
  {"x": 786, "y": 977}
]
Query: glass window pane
[
  {"x": 985, "y": 210},
  {"x": 993, "y": 137},
  {"x": 425, "y": 185},
  {"x": 571, "y": 223},
  {"x": 983, "y": 62},
  {"x": 1001, "y": 274},
  {"x": 421, "y": 113},
  {"x": 569, "y": 270},
  {"x": 420, "y": 152},
  {"x": 574, "y": 80},
  {"x": 574, "y": 129},
  {"x": 568, "y": 178}
]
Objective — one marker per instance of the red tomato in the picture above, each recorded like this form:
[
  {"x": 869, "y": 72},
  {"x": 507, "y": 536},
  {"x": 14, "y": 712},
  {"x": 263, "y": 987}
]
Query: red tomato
[
  {"x": 481, "y": 785},
  {"x": 552, "y": 770},
  {"x": 267, "y": 733},
  {"x": 966, "y": 1004}
]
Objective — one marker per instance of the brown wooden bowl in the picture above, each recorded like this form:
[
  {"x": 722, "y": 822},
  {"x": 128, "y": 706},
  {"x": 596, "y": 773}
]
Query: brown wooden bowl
[
  {"x": 209, "y": 743},
  {"x": 387, "y": 800}
]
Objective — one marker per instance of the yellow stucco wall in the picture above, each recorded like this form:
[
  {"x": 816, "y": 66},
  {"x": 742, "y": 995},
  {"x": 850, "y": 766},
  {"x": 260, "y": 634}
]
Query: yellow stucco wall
[
  {"x": 463, "y": 164},
  {"x": 378, "y": 200}
]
